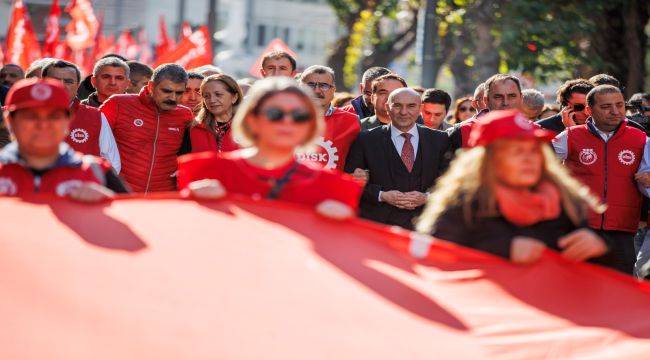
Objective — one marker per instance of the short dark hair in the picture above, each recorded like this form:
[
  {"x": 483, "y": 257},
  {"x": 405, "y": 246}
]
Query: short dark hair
[
  {"x": 600, "y": 90},
  {"x": 390, "y": 76},
  {"x": 580, "y": 86},
  {"x": 115, "y": 56},
  {"x": 140, "y": 69},
  {"x": 169, "y": 71},
  {"x": 501, "y": 78},
  {"x": 604, "y": 79},
  {"x": 437, "y": 96},
  {"x": 279, "y": 54},
  {"x": 195, "y": 75},
  {"x": 61, "y": 64},
  {"x": 372, "y": 73}
]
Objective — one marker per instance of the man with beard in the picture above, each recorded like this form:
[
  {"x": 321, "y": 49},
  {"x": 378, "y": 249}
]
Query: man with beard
[
  {"x": 149, "y": 128},
  {"x": 192, "y": 96},
  {"x": 110, "y": 76}
]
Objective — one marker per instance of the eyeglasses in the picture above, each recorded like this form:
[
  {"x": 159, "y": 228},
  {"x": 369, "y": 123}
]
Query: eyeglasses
[
  {"x": 578, "y": 107},
  {"x": 464, "y": 109},
  {"x": 320, "y": 85},
  {"x": 297, "y": 116}
]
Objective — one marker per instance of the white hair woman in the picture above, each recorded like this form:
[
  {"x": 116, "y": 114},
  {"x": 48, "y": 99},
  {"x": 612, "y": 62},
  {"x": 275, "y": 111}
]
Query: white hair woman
[
  {"x": 510, "y": 196},
  {"x": 276, "y": 119}
]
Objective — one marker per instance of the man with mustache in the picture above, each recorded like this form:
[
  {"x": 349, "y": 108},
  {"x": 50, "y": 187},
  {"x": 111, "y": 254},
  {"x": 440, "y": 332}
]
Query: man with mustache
[
  {"x": 149, "y": 127},
  {"x": 110, "y": 76}
]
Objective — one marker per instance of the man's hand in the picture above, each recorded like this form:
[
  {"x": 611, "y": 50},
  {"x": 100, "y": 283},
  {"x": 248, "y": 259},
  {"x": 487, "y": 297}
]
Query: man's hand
[
  {"x": 415, "y": 199},
  {"x": 90, "y": 192},
  {"x": 361, "y": 175},
  {"x": 395, "y": 198},
  {"x": 643, "y": 179},
  {"x": 525, "y": 250},
  {"x": 582, "y": 245},
  {"x": 335, "y": 210},
  {"x": 567, "y": 116}
]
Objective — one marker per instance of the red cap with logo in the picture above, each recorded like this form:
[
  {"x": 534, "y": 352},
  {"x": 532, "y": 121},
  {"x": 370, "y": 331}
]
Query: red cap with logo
[
  {"x": 506, "y": 124},
  {"x": 35, "y": 92}
]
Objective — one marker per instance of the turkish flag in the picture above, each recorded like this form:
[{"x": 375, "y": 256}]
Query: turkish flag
[
  {"x": 167, "y": 278},
  {"x": 22, "y": 45},
  {"x": 193, "y": 51},
  {"x": 274, "y": 45},
  {"x": 165, "y": 44},
  {"x": 83, "y": 26},
  {"x": 52, "y": 47}
]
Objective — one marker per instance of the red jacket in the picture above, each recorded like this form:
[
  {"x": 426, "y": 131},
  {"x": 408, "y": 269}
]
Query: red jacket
[
  {"x": 203, "y": 140},
  {"x": 71, "y": 169},
  {"x": 148, "y": 139},
  {"x": 608, "y": 169},
  {"x": 308, "y": 185},
  {"x": 341, "y": 129},
  {"x": 84, "y": 129}
]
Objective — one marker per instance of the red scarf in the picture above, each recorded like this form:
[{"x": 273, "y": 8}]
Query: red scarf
[{"x": 528, "y": 207}]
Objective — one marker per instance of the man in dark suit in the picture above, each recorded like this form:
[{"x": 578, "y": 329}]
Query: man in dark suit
[{"x": 399, "y": 161}]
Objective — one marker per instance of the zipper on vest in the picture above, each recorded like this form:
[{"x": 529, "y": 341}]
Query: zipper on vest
[
  {"x": 602, "y": 216},
  {"x": 37, "y": 184},
  {"x": 153, "y": 154}
]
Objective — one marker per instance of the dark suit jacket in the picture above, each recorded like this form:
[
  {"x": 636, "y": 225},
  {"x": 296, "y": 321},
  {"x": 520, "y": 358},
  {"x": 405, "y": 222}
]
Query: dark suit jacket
[
  {"x": 370, "y": 123},
  {"x": 553, "y": 123},
  {"x": 374, "y": 151}
]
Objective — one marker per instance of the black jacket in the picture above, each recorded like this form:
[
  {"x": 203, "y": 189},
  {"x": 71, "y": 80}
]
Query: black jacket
[
  {"x": 361, "y": 108},
  {"x": 374, "y": 151}
]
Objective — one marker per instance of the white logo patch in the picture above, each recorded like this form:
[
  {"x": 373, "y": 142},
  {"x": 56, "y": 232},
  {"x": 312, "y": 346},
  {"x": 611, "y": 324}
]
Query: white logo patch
[
  {"x": 8, "y": 187},
  {"x": 64, "y": 188},
  {"x": 138, "y": 122},
  {"x": 588, "y": 156},
  {"x": 79, "y": 135},
  {"x": 329, "y": 159},
  {"x": 626, "y": 157},
  {"x": 40, "y": 92},
  {"x": 174, "y": 129}
]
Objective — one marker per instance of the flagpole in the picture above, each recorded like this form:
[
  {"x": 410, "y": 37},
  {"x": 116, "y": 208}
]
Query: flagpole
[
  {"x": 181, "y": 15},
  {"x": 212, "y": 22}
]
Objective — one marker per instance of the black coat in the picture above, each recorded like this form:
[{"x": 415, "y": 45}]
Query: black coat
[{"x": 374, "y": 151}]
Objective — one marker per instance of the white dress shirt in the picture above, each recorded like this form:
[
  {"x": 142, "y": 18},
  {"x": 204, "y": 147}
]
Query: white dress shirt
[{"x": 398, "y": 142}]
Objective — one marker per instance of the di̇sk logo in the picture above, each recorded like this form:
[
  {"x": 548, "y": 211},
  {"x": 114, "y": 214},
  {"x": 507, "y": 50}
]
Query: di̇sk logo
[
  {"x": 64, "y": 188},
  {"x": 138, "y": 122},
  {"x": 626, "y": 157},
  {"x": 40, "y": 92},
  {"x": 79, "y": 135},
  {"x": 588, "y": 156},
  {"x": 326, "y": 155},
  {"x": 7, "y": 186}
]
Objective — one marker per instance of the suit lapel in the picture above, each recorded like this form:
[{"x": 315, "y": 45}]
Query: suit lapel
[{"x": 389, "y": 151}]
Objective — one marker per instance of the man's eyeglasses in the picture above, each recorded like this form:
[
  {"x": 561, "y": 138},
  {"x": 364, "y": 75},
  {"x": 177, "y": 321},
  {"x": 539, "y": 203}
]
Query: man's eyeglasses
[
  {"x": 320, "y": 85},
  {"x": 578, "y": 107},
  {"x": 297, "y": 116}
]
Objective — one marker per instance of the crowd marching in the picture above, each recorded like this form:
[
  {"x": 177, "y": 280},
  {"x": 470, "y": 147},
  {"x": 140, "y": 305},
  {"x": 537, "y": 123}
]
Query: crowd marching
[{"x": 497, "y": 170}]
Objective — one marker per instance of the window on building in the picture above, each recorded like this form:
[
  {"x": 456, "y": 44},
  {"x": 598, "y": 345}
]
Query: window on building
[{"x": 261, "y": 35}]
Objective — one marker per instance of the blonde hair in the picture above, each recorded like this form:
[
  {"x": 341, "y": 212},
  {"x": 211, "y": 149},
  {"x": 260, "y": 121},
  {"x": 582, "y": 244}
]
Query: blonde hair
[
  {"x": 204, "y": 116},
  {"x": 470, "y": 181},
  {"x": 261, "y": 91}
]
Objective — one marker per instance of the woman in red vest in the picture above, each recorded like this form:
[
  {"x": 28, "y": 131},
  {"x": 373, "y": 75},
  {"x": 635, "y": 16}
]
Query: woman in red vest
[
  {"x": 276, "y": 120},
  {"x": 508, "y": 195},
  {"x": 211, "y": 131}
]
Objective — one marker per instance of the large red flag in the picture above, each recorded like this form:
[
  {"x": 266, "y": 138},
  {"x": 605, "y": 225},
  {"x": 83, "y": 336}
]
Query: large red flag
[
  {"x": 146, "y": 57},
  {"x": 52, "y": 47},
  {"x": 126, "y": 45},
  {"x": 195, "y": 50},
  {"x": 166, "y": 278},
  {"x": 165, "y": 44},
  {"x": 22, "y": 45},
  {"x": 83, "y": 26},
  {"x": 186, "y": 31},
  {"x": 274, "y": 45}
]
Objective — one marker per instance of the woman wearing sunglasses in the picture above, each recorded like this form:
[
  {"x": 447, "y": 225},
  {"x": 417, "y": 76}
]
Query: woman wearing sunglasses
[
  {"x": 463, "y": 110},
  {"x": 276, "y": 119}
]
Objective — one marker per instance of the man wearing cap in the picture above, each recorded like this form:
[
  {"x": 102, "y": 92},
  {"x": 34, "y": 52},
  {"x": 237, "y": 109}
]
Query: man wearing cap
[
  {"x": 605, "y": 153},
  {"x": 89, "y": 130},
  {"x": 402, "y": 161},
  {"x": 149, "y": 128},
  {"x": 39, "y": 161}
]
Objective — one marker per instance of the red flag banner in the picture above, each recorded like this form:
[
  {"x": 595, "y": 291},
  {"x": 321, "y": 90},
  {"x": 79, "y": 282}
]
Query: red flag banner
[
  {"x": 274, "y": 45},
  {"x": 193, "y": 51},
  {"x": 165, "y": 44},
  {"x": 52, "y": 47},
  {"x": 126, "y": 45},
  {"x": 146, "y": 56},
  {"x": 83, "y": 26},
  {"x": 186, "y": 31},
  {"x": 22, "y": 45},
  {"x": 167, "y": 278}
]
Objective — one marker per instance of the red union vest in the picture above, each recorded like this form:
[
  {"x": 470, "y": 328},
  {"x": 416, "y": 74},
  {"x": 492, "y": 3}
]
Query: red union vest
[
  {"x": 467, "y": 126},
  {"x": 84, "y": 129},
  {"x": 203, "y": 140},
  {"x": 608, "y": 169}
]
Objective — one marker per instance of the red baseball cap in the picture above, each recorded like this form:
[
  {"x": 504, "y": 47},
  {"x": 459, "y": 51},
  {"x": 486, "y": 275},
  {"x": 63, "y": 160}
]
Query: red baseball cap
[
  {"x": 35, "y": 92},
  {"x": 508, "y": 124}
]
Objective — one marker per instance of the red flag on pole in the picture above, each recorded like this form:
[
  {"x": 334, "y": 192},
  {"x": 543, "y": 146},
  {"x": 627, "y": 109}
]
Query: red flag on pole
[
  {"x": 165, "y": 44},
  {"x": 186, "y": 31},
  {"x": 193, "y": 51},
  {"x": 126, "y": 45},
  {"x": 274, "y": 45},
  {"x": 22, "y": 46},
  {"x": 83, "y": 27},
  {"x": 146, "y": 56},
  {"x": 52, "y": 47}
]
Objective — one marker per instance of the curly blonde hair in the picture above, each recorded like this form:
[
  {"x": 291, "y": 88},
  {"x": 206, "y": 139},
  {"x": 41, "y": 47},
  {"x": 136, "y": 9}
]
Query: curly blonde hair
[{"x": 470, "y": 181}]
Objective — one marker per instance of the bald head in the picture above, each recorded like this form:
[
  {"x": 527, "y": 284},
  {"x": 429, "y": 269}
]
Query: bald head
[{"x": 404, "y": 108}]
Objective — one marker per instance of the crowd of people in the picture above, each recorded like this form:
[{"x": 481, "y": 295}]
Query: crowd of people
[{"x": 498, "y": 170}]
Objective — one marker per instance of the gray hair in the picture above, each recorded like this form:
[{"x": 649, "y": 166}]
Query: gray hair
[
  {"x": 400, "y": 91},
  {"x": 207, "y": 70},
  {"x": 316, "y": 69},
  {"x": 601, "y": 90},
  {"x": 172, "y": 72},
  {"x": 532, "y": 99},
  {"x": 111, "y": 61},
  {"x": 479, "y": 92}
]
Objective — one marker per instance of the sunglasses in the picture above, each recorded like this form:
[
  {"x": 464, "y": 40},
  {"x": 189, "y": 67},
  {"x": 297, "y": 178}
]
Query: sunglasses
[
  {"x": 578, "y": 107},
  {"x": 463, "y": 108},
  {"x": 297, "y": 116}
]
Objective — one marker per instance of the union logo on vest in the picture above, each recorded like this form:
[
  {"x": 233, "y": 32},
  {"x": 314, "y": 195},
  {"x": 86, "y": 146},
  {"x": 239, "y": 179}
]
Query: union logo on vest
[
  {"x": 138, "y": 122},
  {"x": 588, "y": 156},
  {"x": 79, "y": 135},
  {"x": 626, "y": 157},
  {"x": 326, "y": 154}
]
